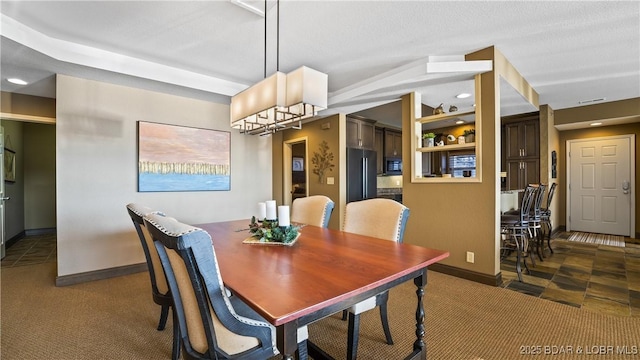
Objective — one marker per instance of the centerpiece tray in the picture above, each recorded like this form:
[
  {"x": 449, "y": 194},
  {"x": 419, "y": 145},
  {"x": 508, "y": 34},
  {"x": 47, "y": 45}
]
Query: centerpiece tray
[{"x": 252, "y": 240}]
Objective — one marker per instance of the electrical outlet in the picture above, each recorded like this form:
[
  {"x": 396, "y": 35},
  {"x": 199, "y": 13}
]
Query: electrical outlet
[{"x": 470, "y": 257}]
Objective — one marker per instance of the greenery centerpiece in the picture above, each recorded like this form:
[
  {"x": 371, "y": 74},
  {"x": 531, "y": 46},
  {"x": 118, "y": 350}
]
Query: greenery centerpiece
[{"x": 269, "y": 231}]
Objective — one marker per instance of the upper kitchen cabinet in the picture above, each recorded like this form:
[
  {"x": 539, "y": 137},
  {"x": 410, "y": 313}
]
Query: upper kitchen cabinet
[
  {"x": 522, "y": 139},
  {"x": 521, "y": 154},
  {"x": 360, "y": 133},
  {"x": 453, "y": 153},
  {"x": 392, "y": 143}
]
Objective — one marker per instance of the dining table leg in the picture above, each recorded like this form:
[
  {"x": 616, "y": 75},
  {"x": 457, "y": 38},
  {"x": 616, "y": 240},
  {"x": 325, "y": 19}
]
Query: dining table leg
[
  {"x": 287, "y": 340},
  {"x": 419, "y": 346}
]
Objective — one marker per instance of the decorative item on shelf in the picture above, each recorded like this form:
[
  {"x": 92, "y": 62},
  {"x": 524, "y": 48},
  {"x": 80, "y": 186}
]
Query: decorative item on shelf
[
  {"x": 451, "y": 139},
  {"x": 461, "y": 139},
  {"x": 440, "y": 143},
  {"x": 428, "y": 139},
  {"x": 439, "y": 110},
  {"x": 453, "y": 108},
  {"x": 466, "y": 173},
  {"x": 470, "y": 135}
]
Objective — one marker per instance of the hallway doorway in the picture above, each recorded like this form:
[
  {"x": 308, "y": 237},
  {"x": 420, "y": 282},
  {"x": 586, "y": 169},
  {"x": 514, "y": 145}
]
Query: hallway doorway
[{"x": 295, "y": 175}]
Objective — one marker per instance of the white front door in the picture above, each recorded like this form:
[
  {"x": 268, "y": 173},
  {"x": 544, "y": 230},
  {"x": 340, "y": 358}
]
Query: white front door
[{"x": 600, "y": 195}]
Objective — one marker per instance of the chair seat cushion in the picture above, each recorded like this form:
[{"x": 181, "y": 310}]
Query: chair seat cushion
[{"x": 363, "y": 306}]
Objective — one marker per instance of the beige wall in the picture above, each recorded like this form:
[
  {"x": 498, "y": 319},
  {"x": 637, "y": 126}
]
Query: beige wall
[
  {"x": 314, "y": 134},
  {"x": 549, "y": 142},
  {"x": 461, "y": 217},
  {"x": 96, "y": 156},
  {"x": 39, "y": 176},
  {"x": 12, "y": 103},
  {"x": 629, "y": 108}
]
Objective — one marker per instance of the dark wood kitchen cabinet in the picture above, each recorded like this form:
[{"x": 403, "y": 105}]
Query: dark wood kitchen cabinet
[
  {"x": 360, "y": 133},
  {"x": 521, "y": 141},
  {"x": 392, "y": 143}
]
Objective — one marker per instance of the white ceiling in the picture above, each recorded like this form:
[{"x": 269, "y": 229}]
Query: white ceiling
[{"x": 373, "y": 51}]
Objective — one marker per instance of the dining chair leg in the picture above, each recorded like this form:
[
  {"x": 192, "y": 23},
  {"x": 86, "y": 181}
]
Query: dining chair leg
[
  {"x": 549, "y": 236},
  {"x": 382, "y": 300},
  {"x": 164, "y": 314},
  {"x": 352, "y": 336},
  {"x": 524, "y": 246},
  {"x": 303, "y": 352},
  {"x": 177, "y": 342}
]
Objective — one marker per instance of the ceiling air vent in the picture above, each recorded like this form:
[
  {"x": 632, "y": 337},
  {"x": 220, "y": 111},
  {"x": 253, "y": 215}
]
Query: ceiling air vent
[{"x": 590, "y": 101}]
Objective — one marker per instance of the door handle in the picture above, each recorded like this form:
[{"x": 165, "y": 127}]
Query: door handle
[
  {"x": 625, "y": 187},
  {"x": 5, "y": 198},
  {"x": 366, "y": 179}
]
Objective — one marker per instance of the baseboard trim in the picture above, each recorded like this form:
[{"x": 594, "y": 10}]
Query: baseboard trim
[
  {"x": 486, "y": 279},
  {"x": 43, "y": 231},
  {"x": 9, "y": 243},
  {"x": 102, "y": 274}
]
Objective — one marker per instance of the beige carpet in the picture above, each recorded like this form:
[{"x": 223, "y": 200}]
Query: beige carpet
[
  {"x": 599, "y": 239},
  {"x": 116, "y": 319}
]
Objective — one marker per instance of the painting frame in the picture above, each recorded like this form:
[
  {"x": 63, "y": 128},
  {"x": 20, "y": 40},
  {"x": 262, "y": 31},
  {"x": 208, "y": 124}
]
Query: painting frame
[
  {"x": 9, "y": 165},
  {"x": 297, "y": 164},
  {"x": 176, "y": 158}
]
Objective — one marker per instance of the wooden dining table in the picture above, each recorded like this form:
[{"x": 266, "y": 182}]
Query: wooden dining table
[{"x": 325, "y": 271}]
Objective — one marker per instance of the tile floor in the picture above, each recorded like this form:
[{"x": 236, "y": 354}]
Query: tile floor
[
  {"x": 31, "y": 250},
  {"x": 595, "y": 277}
]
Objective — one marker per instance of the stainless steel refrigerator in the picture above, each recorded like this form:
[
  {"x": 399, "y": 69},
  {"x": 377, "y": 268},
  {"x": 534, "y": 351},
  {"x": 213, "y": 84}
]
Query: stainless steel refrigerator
[{"x": 361, "y": 174}]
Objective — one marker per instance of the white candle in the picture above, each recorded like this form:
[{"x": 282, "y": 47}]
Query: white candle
[
  {"x": 271, "y": 210},
  {"x": 262, "y": 211},
  {"x": 283, "y": 215}
]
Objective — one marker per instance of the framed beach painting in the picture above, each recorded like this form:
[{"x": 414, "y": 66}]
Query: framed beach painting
[{"x": 180, "y": 158}]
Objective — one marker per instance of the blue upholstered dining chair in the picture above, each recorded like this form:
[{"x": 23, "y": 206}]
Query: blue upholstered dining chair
[
  {"x": 312, "y": 210},
  {"x": 213, "y": 325},
  {"x": 379, "y": 218},
  {"x": 159, "y": 286}
]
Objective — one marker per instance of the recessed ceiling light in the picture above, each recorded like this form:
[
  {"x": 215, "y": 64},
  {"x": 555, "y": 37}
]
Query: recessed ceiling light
[
  {"x": 463, "y": 95},
  {"x": 459, "y": 122},
  {"x": 17, "y": 81},
  {"x": 595, "y": 124}
]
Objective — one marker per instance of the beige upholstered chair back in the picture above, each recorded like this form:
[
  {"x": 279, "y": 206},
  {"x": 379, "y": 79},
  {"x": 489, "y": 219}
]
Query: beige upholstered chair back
[
  {"x": 312, "y": 210},
  {"x": 380, "y": 218}
]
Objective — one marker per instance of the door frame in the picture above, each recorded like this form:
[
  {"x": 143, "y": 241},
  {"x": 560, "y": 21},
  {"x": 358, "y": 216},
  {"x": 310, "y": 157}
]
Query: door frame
[
  {"x": 632, "y": 180},
  {"x": 287, "y": 165}
]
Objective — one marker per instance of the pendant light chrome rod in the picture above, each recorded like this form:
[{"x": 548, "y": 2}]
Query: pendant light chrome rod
[
  {"x": 265, "y": 39},
  {"x": 278, "y": 36}
]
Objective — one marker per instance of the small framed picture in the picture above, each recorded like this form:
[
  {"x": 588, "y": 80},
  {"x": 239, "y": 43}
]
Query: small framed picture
[
  {"x": 9, "y": 165},
  {"x": 298, "y": 164}
]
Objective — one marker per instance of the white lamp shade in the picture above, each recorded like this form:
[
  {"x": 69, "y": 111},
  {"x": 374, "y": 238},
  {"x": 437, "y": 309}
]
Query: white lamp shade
[
  {"x": 268, "y": 93},
  {"x": 308, "y": 86}
]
